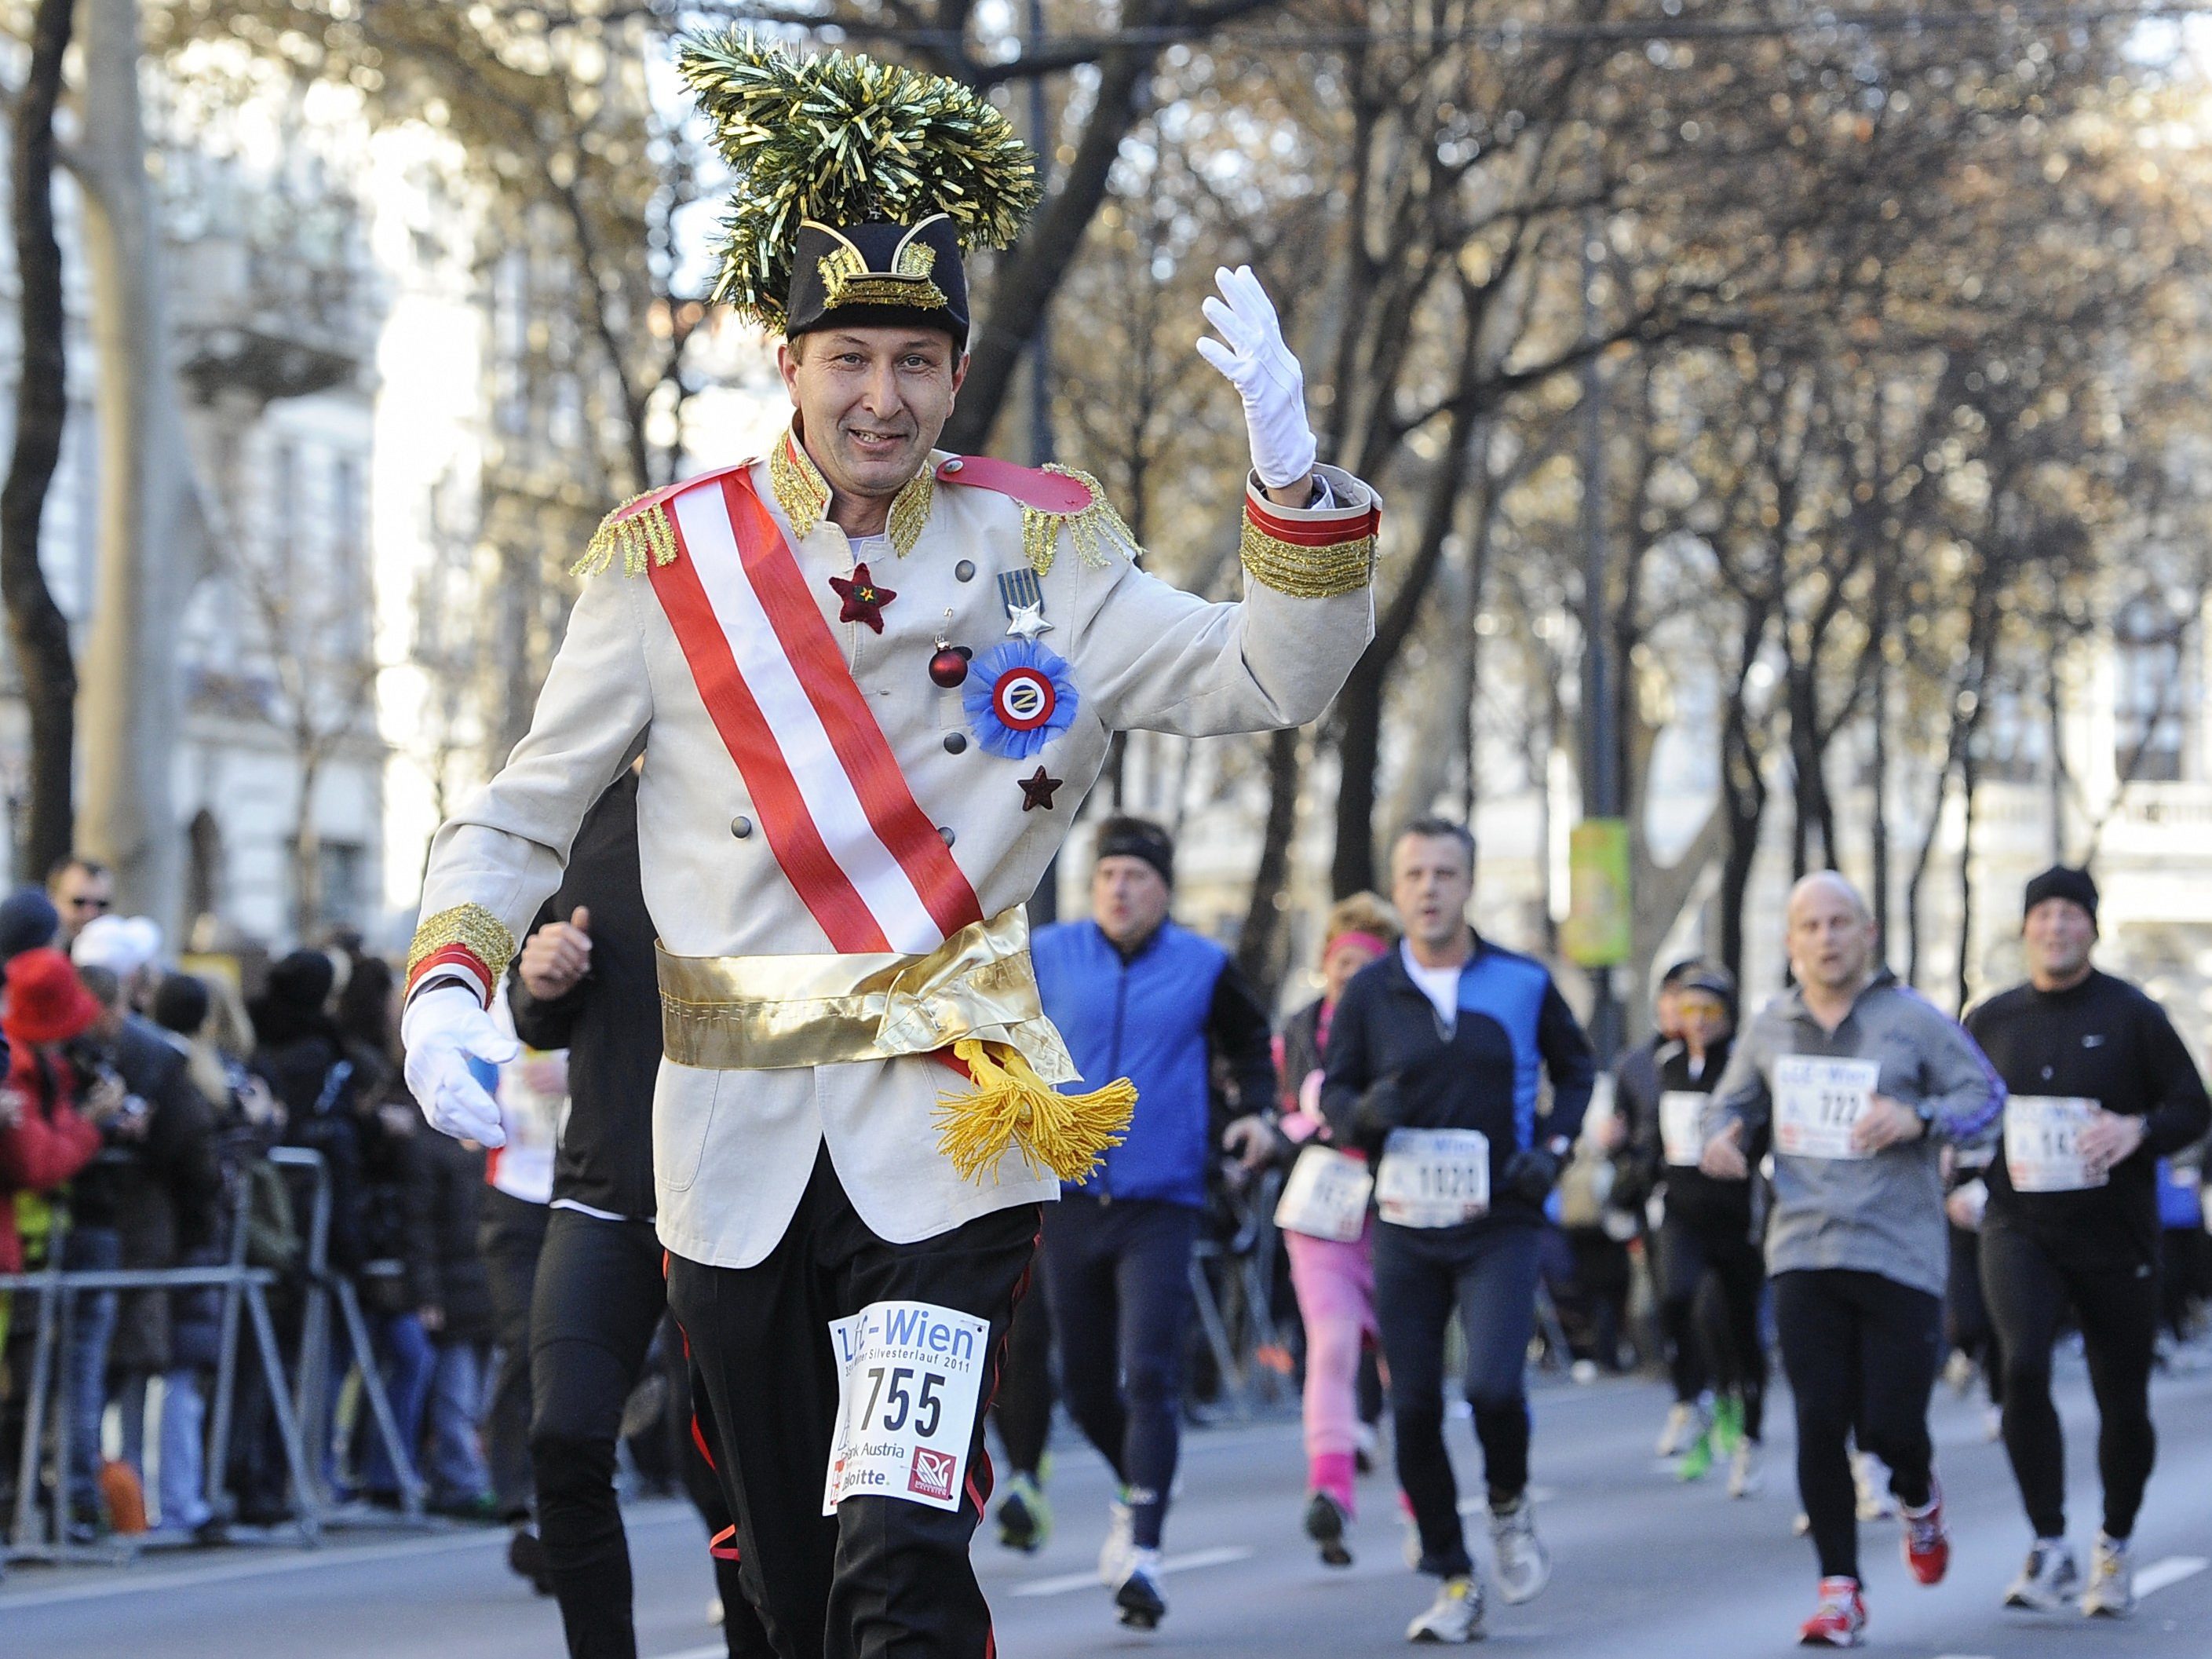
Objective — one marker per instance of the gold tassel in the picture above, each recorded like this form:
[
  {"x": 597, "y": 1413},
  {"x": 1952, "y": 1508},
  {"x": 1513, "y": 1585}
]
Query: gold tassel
[
  {"x": 1011, "y": 1108},
  {"x": 1097, "y": 530},
  {"x": 640, "y": 538}
]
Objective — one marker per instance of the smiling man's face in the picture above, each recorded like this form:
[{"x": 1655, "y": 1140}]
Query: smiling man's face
[{"x": 872, "y": 401}]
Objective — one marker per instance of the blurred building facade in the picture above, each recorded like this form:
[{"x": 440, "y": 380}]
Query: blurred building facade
[{"x": 275, "y": 306}]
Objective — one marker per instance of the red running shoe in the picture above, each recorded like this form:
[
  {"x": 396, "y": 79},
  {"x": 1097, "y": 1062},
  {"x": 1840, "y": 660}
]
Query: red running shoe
[
  {"x": 1926, "y": 1546},
  {"x": 1840, "y": 1620}
]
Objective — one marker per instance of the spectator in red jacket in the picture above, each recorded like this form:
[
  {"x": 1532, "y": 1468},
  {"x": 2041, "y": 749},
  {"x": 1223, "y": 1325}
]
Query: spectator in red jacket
[{"x": 42, "y": 1141}]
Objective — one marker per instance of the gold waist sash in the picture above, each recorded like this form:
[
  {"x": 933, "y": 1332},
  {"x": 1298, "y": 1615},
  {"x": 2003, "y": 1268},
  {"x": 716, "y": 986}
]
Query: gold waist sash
[{"x": 771, "y": 1013}]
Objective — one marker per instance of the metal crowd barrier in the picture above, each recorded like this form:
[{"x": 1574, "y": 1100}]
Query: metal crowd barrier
[{"x": 297, "y": 1403}]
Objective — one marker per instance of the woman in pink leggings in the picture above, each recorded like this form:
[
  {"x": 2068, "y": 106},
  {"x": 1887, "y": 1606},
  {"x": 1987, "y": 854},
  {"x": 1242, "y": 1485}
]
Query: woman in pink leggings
[{"x": 1334, "y": 1275}]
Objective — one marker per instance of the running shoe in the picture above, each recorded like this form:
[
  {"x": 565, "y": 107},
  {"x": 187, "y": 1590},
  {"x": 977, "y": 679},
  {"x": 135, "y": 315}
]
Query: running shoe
[
  {"x": 1926, "y": 1546},
  {"x": 1524, "y": 1566},
  {"x": 1697, "y": 1463},
  {"x": 1748, "y": 1470},
  {"x": 1119, "y": 1549},
  {"x": 1959, "y": 1371},
  {"x": 1685, "y": 1423},
  {"x": 2048, "y": 1581},
  {"x": 1325, "y": 1522},
  {"x": 1840, "y": 1620},
  {"x": 1872, "y": 1480},
  {"x": 1992, "y": 1424},
  {"x": 2111, "y": 1592},
  {"x": 1024, "y": 1516},
  {"x": 1138, "y": 1601},
  {"x": 1727, "y": 1425},
  {"x": 1455, "y": 1616}
]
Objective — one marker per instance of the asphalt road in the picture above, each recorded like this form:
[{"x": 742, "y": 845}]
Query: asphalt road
[{"x": 1644, "y": 1567}]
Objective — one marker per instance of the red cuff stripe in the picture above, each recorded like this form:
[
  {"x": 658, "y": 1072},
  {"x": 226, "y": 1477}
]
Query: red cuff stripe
[
  {"x": 1313, "y": 532},
  {"x": 455, "y": 956}
]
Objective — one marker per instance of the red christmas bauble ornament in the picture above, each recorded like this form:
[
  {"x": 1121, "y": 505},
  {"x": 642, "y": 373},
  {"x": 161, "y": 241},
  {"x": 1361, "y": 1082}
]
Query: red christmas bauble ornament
[{"x": 949, "y": 667}]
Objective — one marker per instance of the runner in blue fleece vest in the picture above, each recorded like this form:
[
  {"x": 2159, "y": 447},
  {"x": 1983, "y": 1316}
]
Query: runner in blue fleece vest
[{"x": 1136, "y": 996}]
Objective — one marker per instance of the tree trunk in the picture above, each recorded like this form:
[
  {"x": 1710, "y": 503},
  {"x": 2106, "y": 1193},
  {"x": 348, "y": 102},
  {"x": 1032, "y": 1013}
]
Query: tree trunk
[
  {"x": 37, "y": 631},
  {"x": 1969, "y": 781},
  {"x": 307, "y": 849},
  {"x": 1259, "y": 945},
  {"x": 1031, "y": 272},
  {"x": 148, "y": 520}
]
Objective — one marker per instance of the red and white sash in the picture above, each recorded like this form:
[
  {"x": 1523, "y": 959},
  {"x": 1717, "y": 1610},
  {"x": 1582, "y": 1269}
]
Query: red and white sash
[{"x": 866, "y": 860}]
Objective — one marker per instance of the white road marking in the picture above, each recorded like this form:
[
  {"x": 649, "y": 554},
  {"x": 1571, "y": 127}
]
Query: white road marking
[
  {"x": 1220, "y": 1555},
  {"x": 2161, "y": 1574},
  {"x": 296, "y": 1559}
]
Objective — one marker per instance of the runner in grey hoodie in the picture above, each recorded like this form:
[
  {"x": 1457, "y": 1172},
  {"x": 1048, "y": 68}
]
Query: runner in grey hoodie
[{"x": 1860, "y": 1081}]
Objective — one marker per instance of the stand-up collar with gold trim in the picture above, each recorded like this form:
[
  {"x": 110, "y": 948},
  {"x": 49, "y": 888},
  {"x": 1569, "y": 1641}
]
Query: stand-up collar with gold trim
[{"x": 804, "y": 494}]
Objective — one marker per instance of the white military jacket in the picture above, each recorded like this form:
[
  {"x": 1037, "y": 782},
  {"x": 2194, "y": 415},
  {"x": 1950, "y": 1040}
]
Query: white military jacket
[{"x": 680, "y": 658}]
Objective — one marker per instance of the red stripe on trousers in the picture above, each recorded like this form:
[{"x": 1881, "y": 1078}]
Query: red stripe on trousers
[
  {"x": 905, "y": 831},
  {"x": 823, "y": 885}
]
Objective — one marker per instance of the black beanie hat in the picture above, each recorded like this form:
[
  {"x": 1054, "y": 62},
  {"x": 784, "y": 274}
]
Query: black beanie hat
[
  {"x": 1136, "y": 838},
  {"x": 2062, "y": 883},
  {"x": 28, "y": 919},
  {"x": 302, "y": 980}
]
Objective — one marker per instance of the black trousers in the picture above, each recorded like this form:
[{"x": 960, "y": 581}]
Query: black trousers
[
  {"x": 1488, "y": 1277},
  {"x": 885, "y": 1577},
  {"x": 2028, "y": 1289},
  {"x": 1023, "y": 1411},
  {"x": 510, "y": 1237},
  {"x": 598, "y": 1297},
  {"x": 1120, "y": 1273},
  {"x": 1966, "y": 1323},
  {"x": 1861, "y": 1353},
  {"x": 1726, "y": 1352}
]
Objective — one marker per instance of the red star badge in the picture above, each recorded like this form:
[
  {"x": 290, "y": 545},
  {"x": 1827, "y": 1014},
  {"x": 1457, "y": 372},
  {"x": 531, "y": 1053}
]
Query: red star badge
[
  {"x": 863, "y": 601},
  {"x": 1036, "y": 791}
]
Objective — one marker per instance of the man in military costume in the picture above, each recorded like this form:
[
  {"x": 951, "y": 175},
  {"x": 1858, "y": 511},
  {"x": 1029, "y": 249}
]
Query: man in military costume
[{"x": 872, "y": 682}]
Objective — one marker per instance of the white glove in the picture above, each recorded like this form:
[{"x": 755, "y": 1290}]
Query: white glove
[
  {"x": 441, "y": 1030},
  {"x": 1265, "y": 375}
]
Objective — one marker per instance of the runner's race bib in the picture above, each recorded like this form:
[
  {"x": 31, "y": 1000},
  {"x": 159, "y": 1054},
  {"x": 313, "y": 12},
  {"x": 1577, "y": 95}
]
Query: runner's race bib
[
  {"x": 1818, "y": 1102},
  {"x": 2042, "y": 1143},
  {"x": 1325, "y": 1196},
  {"x": 909, "y": 1376},
  {"x": 1433, "y": 1177},
  {"x": 1681, "y": 1125}
]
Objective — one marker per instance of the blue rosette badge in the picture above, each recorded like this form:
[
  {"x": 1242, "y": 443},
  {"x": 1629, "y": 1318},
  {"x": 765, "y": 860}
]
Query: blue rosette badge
[{"x": 1020, "y": 697}]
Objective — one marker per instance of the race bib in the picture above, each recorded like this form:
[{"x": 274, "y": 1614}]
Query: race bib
[
  {"x": 1433, "y": 1177},
  {"x": 909, "y": 1375},
  {"x": 1817, "y": 1101},
  {"x": 2042, "y": 1143},
  {"x": 1325, "y": 1196},
  {"x": 1681, "y": 1125}
]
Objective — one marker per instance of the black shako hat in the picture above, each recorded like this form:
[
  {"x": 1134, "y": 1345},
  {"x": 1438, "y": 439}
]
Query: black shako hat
[
  {"x": 2061, "y": 882},
  {"x": 878, "y": 276}
]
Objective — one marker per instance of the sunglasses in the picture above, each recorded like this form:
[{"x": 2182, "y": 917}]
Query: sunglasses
[{"x": 90, "y": 903}]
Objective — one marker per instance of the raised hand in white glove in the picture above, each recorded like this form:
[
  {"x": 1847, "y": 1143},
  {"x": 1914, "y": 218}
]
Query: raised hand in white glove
[
  {"x": 442, "y": 1029},
  {"x": 1265, "y": 375}
]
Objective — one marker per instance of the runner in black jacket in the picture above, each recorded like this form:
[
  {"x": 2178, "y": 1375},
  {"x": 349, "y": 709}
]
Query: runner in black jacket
[
  {"x": 586, "y": 982},
  {"x": 2079, "y": 1227},
  {"x": 1449, "y": 1032}
]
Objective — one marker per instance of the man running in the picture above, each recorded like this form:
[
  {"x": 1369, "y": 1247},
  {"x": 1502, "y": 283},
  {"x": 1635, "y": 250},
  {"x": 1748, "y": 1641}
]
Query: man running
[
  {"x": 1436, "y": 1055},
  {"x": 871, "y": 680},
  {"x": 1858, "y": 1079},
  {"x": 1137, "y": 996},
  {"x": 2100, "y": 1089}
]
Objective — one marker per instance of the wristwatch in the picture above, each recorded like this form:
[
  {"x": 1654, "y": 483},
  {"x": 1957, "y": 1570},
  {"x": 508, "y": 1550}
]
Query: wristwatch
[{"x": 1926, "y": 1113}]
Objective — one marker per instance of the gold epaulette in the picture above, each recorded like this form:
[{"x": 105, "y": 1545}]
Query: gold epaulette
[
  {"x": 638, "y": 530},
  {"x": 1097, "y": 532}
]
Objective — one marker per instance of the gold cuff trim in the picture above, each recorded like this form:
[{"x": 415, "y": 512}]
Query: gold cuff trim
[
  {"x": 803, "y": 495},
  {"x": 1097, "y": 532},
  {"x": 472, "y": 927},
  {"x": 640, "y": 537},
  {"x": 1307, "y": 573}
]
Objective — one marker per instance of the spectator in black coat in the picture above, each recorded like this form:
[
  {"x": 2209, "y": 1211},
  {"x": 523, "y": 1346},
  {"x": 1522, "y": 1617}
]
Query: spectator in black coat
[{"x": 166, "y": 1194}]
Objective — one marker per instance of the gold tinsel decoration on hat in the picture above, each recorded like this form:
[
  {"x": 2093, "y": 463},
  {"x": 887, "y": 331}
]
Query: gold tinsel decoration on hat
[{"x": 846, "y": 141}]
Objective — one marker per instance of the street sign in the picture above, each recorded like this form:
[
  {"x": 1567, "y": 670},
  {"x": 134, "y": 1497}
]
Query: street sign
[{"x": 1600, "y": 930}]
